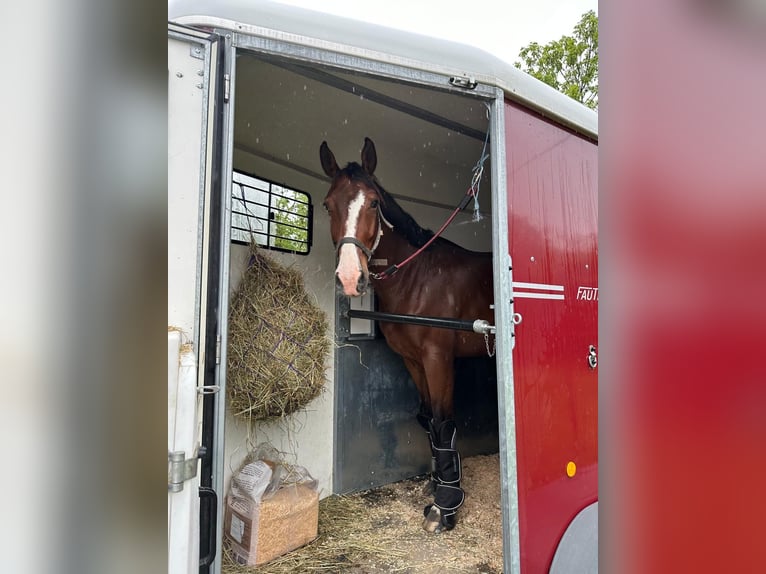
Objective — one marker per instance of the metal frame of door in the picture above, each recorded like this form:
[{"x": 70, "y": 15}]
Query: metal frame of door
[{"x": 501, "y": 258}]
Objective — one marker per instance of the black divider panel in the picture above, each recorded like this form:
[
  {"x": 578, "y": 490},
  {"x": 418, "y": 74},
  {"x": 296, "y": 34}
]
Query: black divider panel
[{"x": 378, "y": 439}]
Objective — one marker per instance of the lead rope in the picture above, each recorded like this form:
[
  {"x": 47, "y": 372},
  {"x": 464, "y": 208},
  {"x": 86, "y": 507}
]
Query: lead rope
[
  {"x": 471, "y": 193},
  {"x": 478, "y": 171}
]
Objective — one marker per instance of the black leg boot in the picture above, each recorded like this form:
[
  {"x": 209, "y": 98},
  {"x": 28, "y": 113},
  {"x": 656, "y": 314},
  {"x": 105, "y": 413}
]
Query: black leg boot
[{"x": 448, "y": 496}]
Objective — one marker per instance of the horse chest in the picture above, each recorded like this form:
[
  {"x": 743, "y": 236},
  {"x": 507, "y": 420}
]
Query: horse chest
[{"x": 412, "y": 341}]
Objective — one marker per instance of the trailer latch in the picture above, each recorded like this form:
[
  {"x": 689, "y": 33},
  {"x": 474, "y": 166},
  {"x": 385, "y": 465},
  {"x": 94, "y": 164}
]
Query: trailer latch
[
  {"x": 180, "y": 469},
  {"x": 464, "y": 82},
  {"x": 483, "y": 327}
]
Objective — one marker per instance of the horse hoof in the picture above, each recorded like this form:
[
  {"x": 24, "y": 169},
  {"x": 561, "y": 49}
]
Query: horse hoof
[
  {"x": 432, "y": 522},
  {"x": 435, "y": 522}
]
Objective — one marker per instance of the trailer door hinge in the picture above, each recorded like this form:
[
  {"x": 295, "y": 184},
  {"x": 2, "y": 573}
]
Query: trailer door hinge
[
  {"x": 226, "y": 87},
  {"x": 464, "y": 82},
  {"x": 180, "y": 469}
]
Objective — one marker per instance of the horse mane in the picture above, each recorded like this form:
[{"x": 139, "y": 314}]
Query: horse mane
[{"x": 402, "y": 221}]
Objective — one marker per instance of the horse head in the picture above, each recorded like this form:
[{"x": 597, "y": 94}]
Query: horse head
[{"x": 353, "y": 203}]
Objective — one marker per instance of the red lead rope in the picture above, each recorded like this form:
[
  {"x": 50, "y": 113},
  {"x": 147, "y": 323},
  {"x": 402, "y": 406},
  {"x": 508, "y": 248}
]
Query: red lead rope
[
  {"x": 472, "y": 192},
  {"x": 394, "y": 268}
]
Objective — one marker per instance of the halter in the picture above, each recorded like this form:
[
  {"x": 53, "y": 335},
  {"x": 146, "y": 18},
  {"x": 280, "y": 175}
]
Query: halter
[
  {"x": 359, "y": 244},
  {"x": 354, "y": 241}
]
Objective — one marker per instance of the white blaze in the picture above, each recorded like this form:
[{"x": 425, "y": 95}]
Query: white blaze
[{"x": 349, "y": 266}]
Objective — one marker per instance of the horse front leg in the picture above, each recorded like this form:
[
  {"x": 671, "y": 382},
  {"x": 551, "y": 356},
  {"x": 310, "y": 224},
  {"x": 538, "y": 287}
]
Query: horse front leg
[
  {"x": 425, "y": 414},
  {"x": 448, "y": 495}
]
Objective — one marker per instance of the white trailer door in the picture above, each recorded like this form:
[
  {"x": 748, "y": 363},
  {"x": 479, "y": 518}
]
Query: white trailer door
[{"x": 192, "y": 81}]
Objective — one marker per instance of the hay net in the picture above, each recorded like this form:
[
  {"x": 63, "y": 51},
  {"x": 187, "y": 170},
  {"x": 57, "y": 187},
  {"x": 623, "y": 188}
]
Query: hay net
[{"x": 277, "y": 342}]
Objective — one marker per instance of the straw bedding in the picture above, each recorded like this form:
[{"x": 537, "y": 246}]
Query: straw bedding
[
  {"x": 277, "y": 342},
  {"x": 379, "y": 531}
]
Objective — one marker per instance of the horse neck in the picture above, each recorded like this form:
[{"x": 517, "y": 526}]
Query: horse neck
[{"x": 393, "y": 248}]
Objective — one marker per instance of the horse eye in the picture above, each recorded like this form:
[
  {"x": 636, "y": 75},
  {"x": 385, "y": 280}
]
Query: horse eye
[
  {"x": 374, "y": 203},
  {"x": 326, "y": 207}
]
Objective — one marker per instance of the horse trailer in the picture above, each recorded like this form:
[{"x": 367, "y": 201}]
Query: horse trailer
[{"x": 254, "y": 88}]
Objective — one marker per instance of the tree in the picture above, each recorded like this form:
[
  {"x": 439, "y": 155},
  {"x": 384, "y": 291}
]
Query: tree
[
  {"x": 570, "y": 64},
  {"x": 291, "y": 218}
]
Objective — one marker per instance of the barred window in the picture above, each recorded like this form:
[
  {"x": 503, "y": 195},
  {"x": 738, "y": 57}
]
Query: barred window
[{"x": 276, "y": 216}]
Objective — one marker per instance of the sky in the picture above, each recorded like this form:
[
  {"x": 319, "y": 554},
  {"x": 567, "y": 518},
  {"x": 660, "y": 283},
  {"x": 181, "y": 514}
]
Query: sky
[{"x": 501, "y": 27}]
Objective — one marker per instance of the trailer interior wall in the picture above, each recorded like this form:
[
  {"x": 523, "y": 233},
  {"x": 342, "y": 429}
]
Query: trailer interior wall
[{"x": 283, "y": 112}]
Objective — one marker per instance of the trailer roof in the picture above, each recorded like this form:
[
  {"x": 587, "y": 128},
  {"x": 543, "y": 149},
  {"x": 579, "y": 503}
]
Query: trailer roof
[{"x": 388, "y": 45}]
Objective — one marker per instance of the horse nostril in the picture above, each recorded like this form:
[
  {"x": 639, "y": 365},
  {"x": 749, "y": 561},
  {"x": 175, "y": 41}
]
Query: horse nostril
[{"x": 361, "y": 284}]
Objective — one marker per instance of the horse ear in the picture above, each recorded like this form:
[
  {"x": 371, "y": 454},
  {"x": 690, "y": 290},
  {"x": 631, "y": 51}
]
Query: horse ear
[
  {"x": 369, "y": 157},
  {"x": 329, "y": 165}
]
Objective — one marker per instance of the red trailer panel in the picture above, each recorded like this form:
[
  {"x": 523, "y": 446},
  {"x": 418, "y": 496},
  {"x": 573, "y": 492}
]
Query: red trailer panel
[{"x": 553, "y": 214}]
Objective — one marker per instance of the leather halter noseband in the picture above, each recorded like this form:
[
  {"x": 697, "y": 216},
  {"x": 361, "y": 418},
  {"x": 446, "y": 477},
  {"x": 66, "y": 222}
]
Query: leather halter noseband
[{"x": 354, "y": 241}]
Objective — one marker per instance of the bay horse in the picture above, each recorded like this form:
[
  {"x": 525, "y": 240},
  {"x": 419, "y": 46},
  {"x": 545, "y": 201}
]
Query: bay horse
[{"x": 370, "y": 229}]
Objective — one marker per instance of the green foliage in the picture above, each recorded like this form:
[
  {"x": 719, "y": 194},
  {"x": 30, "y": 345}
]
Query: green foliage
[
  {"x": 570, "y": 64},
  {"x": 291, "y": 222}
]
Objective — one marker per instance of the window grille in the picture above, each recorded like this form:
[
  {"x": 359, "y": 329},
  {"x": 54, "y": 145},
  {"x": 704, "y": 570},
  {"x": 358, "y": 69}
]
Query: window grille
[{"x": 276, "y": 216}]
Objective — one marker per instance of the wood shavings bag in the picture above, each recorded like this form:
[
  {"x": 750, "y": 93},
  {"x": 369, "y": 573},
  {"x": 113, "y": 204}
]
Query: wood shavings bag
[{"x": 271, "y": 509}]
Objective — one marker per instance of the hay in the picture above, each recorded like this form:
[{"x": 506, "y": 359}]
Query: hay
[{"x": 277, "y": 342}]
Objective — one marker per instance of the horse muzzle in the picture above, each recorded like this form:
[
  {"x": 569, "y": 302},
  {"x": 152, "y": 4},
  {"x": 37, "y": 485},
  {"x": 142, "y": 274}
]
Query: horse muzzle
[
  {"x": 352, "y": 288},
  {"x": 352, "y": 276}
]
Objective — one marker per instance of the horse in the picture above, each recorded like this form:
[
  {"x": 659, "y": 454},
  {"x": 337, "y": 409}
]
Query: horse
[{"x": 444, "y": 280}]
